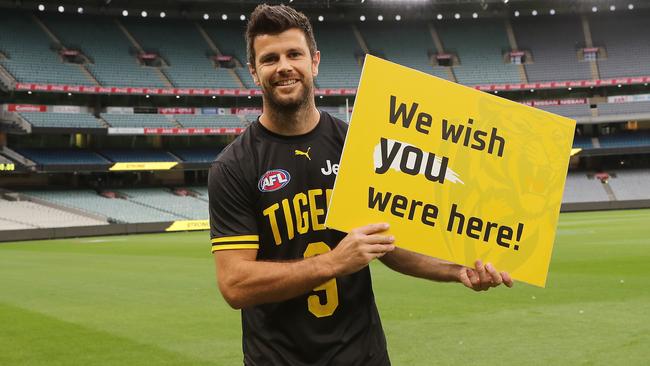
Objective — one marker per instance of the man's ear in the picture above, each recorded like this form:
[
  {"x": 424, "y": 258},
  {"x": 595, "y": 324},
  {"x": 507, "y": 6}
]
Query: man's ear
[
  {"x": 315, "y": 61},
  {"x": 253, "y": 72}
]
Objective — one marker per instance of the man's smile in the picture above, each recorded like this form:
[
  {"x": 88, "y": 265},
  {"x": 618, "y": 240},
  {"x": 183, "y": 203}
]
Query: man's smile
[{"x": 286, "y": 82}]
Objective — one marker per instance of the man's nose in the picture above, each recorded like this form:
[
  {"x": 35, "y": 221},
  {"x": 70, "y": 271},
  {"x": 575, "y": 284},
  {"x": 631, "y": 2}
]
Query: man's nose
[{"x": 284, "y": 65}]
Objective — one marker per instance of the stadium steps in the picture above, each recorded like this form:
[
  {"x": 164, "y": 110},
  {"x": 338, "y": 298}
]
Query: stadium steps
[
  {"x": 512, "y": 40},
  {"x": 134, "y": 42},
  {"x": 16, "y": 120},
  {"x": 441, "y": 49},
  {"x": 359, "y": 37},
  {"x": 23, "y": 197},
  {"x": 586, "y": 30},
  {"x": 217, "y": 51},
  {"x": 127, "y": 34},
  {"x": 7, "y": 81},
  {"x": 45, "y": 29},
  {"x": 163, "y": 77},
  {"x": 18, "y": 157},
  {"x": 609, "y": 191},
  {"x": 57, "y": 41},
  {"x": 143, "y": 204},
  {"x": 4, "y": 220},
  {"x": 89, "y": 75},
  {"x": 103, "y": 122}
]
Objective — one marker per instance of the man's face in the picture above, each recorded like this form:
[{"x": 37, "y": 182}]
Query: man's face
[{"x": 284, "y": 68}]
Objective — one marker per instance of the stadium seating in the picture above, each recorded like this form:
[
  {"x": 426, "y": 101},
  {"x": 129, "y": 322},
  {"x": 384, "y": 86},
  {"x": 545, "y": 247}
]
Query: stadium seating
[
  {"x": 625, "y": 139},
  {"x": 35, "y": 62},
  {"x": 579, "y": 188},
  {"x": 626, "y": 41},
  {"x": 405, "y": 44},
  {"x": 139, "y": 120},
  {"x": 209, "y": 120},
  {"x": 63, "y": 156},
  {"x": 554, "y": 43},
  {"x": 186, "y": 52},
  {"x": 197, "y": 155},
  {"x": 116, "y": 209},
  {"x": 28, "y": 215},
  {"x": 185, "y": 207},
  {"x": 138, "y": 155},
  {"x": 582, "y": 142},
  {"x": 480, "y": 46},
  {"x": 229, "y": 39},
  {"x": 623, "y": 108},
  {"x": 62, "y": 120},
  {"x": 571, "y": 110},
  {"x": 631, "y": 184},
  {"x": 114, "y": 58},
  {"x": 339, "y": 67}
]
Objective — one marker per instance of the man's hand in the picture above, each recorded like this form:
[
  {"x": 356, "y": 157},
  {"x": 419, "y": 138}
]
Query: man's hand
[
  {"x": 483, "y": 277},
  {"x": 359, "y": 247}
]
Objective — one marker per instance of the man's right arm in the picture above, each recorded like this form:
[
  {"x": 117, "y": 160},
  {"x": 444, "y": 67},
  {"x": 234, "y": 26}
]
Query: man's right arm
[{"x": 245, "y": 281}]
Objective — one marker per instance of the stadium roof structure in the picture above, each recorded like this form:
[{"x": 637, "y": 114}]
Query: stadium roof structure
[{"x": 334, "y": 10}]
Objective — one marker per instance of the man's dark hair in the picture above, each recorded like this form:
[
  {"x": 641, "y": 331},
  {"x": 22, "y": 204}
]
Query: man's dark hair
[{"x": 275, "y": 19}]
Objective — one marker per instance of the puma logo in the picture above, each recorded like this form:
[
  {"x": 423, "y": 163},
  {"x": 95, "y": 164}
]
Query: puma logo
[{"x": 303, "y": 153}]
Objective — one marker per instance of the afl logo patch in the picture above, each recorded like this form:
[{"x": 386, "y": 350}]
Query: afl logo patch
[{"x": 273, "y": 180}]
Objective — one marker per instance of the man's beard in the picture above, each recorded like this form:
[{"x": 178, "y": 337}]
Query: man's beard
[{"x": 288, "y": 106}]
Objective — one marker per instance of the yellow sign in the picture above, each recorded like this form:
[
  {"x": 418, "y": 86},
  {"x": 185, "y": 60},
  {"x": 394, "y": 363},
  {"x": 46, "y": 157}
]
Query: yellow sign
[
  {"x": 458, "y": 173},
  {"x": 7, "y": 167},
  {"x": 187, "y": 225},
  {"x": 143, "y": 166}
]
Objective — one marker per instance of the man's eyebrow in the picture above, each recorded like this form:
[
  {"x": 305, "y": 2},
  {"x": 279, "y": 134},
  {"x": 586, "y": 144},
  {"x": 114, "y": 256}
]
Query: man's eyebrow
[{"x": 267, "y": 55}]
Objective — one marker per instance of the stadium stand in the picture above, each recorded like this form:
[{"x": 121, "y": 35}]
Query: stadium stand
[
  {"x": 623, "y": 108},
  {"x": 63, "y": 156},
  {"x": 625, "y": 139},
  {"x": 62, "y": 120},
  {"x": 570, "y": 110},
  {"x": 197, "y": 155},
  {"x": 583, "y": 142},
  {"x": 209, "y": 120},
  {"x": 480, "y": 46},
  {"x": 554, "y": 43},
  {"x": 185, "y": 207},
  {"x": 36, "y": 62},
  {"x": 114, "y": 61},
  {"x": 139, "y": 120},
  {"x": 185, "y": 52},
  {"x": 407, "y": 44},
  {"x": 626, "y": 43},
  {"x": 229, "y": 40},
  {"x": 25, "y": 215},
  {"x": 117, "y": 210},
  {"x": 631, "y": 184},
  {"x": 579, "y": 188},
  {"x": 138, "y": 155},
  {"x": 339, "y": 66}
]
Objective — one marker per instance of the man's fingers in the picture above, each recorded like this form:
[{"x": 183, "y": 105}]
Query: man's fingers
[
  {"x": 507, "y": 279},
  {"x": 482, "y": 274},
  {"x": 464, "y": 278},
  {"x": 379, "y": 239},
  {"x": 495, "y": 276},
  {"x": 372, "y": 228},
  {"x": 473, "y": 277},
  {"x": 380, "y": 248}
]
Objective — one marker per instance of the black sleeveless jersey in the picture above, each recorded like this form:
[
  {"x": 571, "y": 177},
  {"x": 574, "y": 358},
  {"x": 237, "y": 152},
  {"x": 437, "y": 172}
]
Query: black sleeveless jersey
[{"x": 270, "y": 192}]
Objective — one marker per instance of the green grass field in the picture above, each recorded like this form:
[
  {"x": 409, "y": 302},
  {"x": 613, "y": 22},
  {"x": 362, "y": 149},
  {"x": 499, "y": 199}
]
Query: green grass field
[{"x": 152, "y": 299}]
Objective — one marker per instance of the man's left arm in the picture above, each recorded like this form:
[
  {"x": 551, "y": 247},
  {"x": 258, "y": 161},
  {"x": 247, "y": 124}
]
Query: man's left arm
[{"x": 480, "y": 278}]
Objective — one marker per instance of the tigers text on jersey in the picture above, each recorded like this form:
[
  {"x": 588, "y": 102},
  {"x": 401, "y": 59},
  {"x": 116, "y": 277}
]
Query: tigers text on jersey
[{"x": 270, "y": 192}]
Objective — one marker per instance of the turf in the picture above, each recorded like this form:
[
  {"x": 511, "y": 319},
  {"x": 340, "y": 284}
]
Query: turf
[{"x": 152, "y": 299}]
